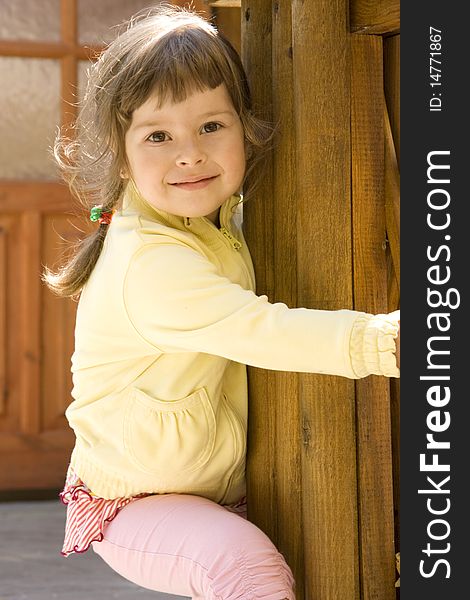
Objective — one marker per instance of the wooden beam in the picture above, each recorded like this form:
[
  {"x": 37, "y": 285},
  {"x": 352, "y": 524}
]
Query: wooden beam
[
  {"x": 226, "y": 3},
  {"x": 376, "y": 519},
  {"x": 321, "y": 45},
  {"x": 392, "y": 87},
  {"x": 30, "y": 320},
  {"x": 392, "y": 136},
  {"x": 3, "y": 317},
  {"x": 366, "y": 16},
  {"x": 288, "y": 459},
  {"x": 46, "y": 197},
  {"x": 298, "y": 227},
  {"x": 228, "y": 22},
  {"x": 392, "y": 195},
  {"x": 69, "y": 76},
  {"x": 34, "y": 462},
  {"x": 28, "y": 49},
  {"x": 261, "y": 490},
  {"x": 375, "y": 16}
]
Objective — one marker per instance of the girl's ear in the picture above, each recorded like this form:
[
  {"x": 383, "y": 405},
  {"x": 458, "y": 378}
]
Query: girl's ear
[{"x": 123, "y": 174}]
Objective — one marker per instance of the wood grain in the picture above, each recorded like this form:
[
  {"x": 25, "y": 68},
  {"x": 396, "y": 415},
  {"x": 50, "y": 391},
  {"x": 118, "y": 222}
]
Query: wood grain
[
  {"x": 228, "y": 22},
  {"x": 286, "y": 385},
  {"x": 375, "y": 16},
  {"x": 225, "y": 3},
  {"x": 3, "y": 316},
  {"x": 30, "y": 323},
  {"x": 321, "y": 57},
  {"x": 47, "y": 197},
  {"x": 28, "y": 49},
  {"x": 69, "y": 77},
  {"x": 34, "y": 448},
  {"x": 376, "y": 520},
  {"x": 392, "y": 97},
  {"x": 392, "y": 196},
  {"x": 256, "y": 32},
  {"x": 392, "y": 87}
]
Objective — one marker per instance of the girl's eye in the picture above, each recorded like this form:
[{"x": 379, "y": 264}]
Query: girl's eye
[
  {"x": 211, "y": 127},
  {"x": 157, "y": 136}
]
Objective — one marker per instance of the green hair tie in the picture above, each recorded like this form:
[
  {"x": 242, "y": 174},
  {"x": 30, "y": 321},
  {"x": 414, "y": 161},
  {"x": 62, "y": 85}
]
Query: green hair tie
[{"x": 97, "y": 214}]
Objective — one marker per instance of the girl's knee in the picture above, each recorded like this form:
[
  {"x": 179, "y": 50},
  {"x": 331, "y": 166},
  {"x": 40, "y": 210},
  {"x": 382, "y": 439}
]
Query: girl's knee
[
  {"x": 241, "y": 560},
  {"x": 252, "y": 568}
]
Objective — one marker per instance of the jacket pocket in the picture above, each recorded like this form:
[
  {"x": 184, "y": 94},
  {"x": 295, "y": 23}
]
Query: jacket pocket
[{"x": 169, "y": 438}]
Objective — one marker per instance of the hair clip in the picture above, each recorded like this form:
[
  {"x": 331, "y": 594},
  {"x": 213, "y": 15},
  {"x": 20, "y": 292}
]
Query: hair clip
[{"x": 98, "y": 214}]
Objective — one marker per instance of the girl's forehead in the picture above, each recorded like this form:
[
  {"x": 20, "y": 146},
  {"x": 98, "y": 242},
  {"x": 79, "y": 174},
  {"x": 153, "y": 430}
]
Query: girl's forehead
[{"x": 196, "y": 104}]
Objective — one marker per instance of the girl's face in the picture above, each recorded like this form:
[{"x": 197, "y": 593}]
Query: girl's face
[{"x": 187, "y": 158}]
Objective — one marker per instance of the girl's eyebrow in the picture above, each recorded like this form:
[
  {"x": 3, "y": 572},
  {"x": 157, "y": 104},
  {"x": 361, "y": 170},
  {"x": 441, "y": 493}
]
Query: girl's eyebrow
[{"x": 158, "y": 122}]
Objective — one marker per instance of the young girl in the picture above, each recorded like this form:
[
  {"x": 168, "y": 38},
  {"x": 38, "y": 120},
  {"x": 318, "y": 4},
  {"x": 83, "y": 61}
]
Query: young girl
[{"x": 168, "y": 318}]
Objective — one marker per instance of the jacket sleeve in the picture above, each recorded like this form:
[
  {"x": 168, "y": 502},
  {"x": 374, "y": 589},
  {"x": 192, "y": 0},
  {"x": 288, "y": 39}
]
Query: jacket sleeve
[{"x": 178, "y": 302}]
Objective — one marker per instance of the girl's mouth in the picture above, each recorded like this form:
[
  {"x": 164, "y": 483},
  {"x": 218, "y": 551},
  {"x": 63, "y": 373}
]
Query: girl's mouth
[{"x": 195, "y": 185}]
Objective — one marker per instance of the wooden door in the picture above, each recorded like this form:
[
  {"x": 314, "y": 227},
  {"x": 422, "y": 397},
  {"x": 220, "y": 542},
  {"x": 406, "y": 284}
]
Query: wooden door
[
  {"x": 36, "y": 336},
  {"x": 45, "y": 47}
]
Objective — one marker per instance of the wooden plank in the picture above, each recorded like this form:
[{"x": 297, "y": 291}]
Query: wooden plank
[
  {"x": 226, "y": 3},
  {"x": 34, "y": 462},
  {"x": 46, "y": 197},
  {"x": 392, "y": 97},
  {"x": 376, "y": 523},
  {"x": 30, "y": 322},
  {"x": 392, "y": 161},
  {"x": 393, "y": 286},
  {"x": 322, "y": 129},
  {"x": 3, "y": 318},
  {"x": 288, "y": 412},
  {"x": 228, "y": 22},
  {"x": 375, "y": 16},
  {"x": 392, "y": 196},
  {"x": 57, "y": 326},
  {"x": 392, "y": 87},
  {"x": 261, "y": 485},
  {"x": 395, "y": 425},
  {"x": 68, "y": 91},
  {"x": 68, "y": 21},
  {"x": 13, "y": 280},
  {"x": 28, "y": 49},
  {"x": 29, "y": 458}
]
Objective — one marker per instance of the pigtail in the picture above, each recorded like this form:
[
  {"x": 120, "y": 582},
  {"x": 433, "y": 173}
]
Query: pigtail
[
  {"x": 69, "y": 279},
  {"x": 84, "y": 181},
  {"x": 91, "y": 161}
]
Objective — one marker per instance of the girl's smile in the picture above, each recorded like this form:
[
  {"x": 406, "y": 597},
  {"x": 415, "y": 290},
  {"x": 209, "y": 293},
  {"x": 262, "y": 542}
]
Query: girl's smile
[
  {"x": 187, "y": 158},
  {"x": 195, "y": 183}
]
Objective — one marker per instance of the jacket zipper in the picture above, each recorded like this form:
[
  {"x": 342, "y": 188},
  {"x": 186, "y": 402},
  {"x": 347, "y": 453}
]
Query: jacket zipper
[
  {"x": 233, "y": 241},
  {"x": 236, "y": 245}
]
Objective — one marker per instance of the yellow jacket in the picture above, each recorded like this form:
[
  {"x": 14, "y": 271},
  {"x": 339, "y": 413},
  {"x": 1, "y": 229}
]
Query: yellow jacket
[{"x": 165, "y": 326}]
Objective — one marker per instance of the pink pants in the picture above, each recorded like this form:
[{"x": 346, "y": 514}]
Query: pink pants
[{"x": 190, "y": 546}]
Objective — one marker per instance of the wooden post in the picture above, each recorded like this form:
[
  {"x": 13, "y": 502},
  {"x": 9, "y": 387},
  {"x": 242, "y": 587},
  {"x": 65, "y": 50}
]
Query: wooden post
[
  {"x": 302, "y": 442},
  {"x": 376, "y": 530}
]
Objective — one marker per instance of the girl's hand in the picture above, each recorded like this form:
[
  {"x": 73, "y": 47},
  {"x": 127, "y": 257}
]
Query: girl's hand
[{"x": 397, "y": 345}]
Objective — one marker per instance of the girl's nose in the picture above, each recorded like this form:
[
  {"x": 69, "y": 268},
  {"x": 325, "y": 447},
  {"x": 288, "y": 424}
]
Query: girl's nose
[{"x": 191, "y": 154}]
